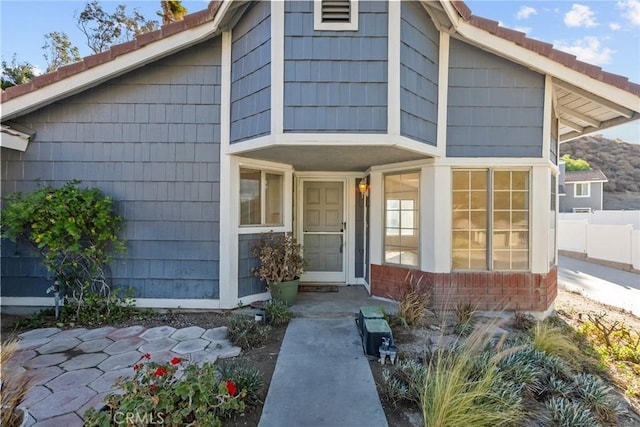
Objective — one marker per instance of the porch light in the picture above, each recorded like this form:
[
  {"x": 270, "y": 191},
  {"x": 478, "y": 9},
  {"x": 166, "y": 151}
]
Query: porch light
[{"x": 363, "y": 187}]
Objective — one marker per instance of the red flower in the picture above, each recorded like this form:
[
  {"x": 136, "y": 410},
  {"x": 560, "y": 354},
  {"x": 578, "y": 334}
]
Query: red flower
[
  {"x": 231, "y": 387},
  {"x": 153, "y": 387},
  {"x": 146, "y": 356},
  {"x": 160, "y": 371},
  {"x": 175, "y": 360},
  {"x": 136, "y": 367}
]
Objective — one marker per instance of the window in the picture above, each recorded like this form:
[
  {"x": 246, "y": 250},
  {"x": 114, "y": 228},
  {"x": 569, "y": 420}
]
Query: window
[
  {"x": 552, "y": 221},
  {"x": 260, "y": 197},
  {"x": 335, "y": 15},
  {"x": 401, "y": 196},
  {"x": 490, "y": 220},
  {"x": 582, "y": 189}
]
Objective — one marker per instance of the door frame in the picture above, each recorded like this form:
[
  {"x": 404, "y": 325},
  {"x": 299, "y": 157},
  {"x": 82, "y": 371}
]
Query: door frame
[{"x": 349, "y": 199}]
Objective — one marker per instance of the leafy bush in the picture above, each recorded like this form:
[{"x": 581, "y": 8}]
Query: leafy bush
[
  {"x": 280, "y": 258},
  {"x": 245, "y": 377},
  {"x": 278, "y": 312},
  {"x": 74, "y": 230},
  {"x": 155, "y": 395},
  {"x": 597, "y": 396},
  {"x": 246, "y": 333},
  {"x": 575, "y": 164}
]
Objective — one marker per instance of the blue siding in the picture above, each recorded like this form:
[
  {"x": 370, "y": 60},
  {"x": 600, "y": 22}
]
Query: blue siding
[
  {"x": 151, "y": 140},
  {"x": 568, "y": 202},
  {"x": 248, "y": 284},
  {"x": 335, "y": 81},
  {"x": 495, "y": 106},
  {"x": 419, "y": 54},
  {"x": 251, "y": 74},
  {"x": 553, "y": 149}
]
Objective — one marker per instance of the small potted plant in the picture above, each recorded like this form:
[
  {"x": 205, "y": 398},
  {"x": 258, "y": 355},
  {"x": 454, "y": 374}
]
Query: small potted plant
[{"x": 281, "y": 265}]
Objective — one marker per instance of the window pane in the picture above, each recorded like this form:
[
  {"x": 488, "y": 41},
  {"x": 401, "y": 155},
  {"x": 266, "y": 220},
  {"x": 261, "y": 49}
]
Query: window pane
[
  {"x": 478, "y": 220},
  {"x": 469, "y": 240},
  {"x": 460, "y": 259},
  {"x": 520, "y": 180},
  {"x": 401, "y": 194},
  {"x": 501, "y": 220},
  {"x": 460, "y": 220},
  {"x": 273, "y": 199},
  {"x": 460, "y": 240},
  {"x": 520, "y": 220},
  {"x": 501, "y": 260},
  {"x": 501, "y": 180},
  {"x": 479, "y": 200},
  {"x": 501, "y": 200},
  {"x": 520, "y": 200},
  {"x": 520, "y": 260},
  {"x": 460, "y": 200},
  {"x": 479, "y": 180},
  {"x": 250, "y": 197},
  {"x": 460, "y": 180},
  {"x": 478, "y": 260}
]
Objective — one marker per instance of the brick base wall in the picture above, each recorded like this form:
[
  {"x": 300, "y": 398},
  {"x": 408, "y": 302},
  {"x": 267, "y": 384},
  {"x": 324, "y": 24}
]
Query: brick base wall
[{"x": 489, "y": 291}]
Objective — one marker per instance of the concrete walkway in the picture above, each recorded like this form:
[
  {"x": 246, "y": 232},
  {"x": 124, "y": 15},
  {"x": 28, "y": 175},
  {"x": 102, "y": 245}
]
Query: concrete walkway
[
  {"x": 75, "y": 369},
  {"x": 607, "y": 285},
  {"x": 322, "y": 378}
]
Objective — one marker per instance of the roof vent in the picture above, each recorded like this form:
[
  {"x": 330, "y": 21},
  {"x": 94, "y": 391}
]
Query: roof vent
[{"x": 336, "y": 10}]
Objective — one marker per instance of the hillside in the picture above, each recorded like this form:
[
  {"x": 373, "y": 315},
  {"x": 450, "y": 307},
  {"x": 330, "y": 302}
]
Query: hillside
[{"x": 620, "y": 162}]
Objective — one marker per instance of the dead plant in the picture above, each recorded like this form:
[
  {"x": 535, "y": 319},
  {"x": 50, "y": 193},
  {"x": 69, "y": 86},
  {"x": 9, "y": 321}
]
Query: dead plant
[
  {"x": 414, "y": 302},
  {"x": 13, "y": 386}
]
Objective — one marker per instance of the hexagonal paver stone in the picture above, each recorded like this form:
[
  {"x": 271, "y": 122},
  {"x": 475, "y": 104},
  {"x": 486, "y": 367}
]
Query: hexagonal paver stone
[
  {"x": 94, "y": 346},
  {"x": 45, "y": 360},
  {"x": 44, "y": 375},
  {"x": 83, "y": 361},
  {"x": 123, "y": 345},
  {"x": 154, "y": 346},
  {"x": 158, "y": 332},
  {"x": 20, "y": 357},
  {"x": 190, "y": 333},
  {"x": 219, "y": 333},
  {"x": 190, "y": 346},
  {"x": 31, "y": 343},
  {"x": 97, "y": 402},
  {"x": 119, "y": 361},
  {"x": 35, "y": 395},
  {"x": 73, "y": 379},
  {"x": 164, "y": 356},
  {"x": 130, "y": 331},
  {"x": 94, "y": 334},
  {"x": 61, "y": 402},
  {"x": 39, "y": 333},
  {"x": 66, "y": 420},
  {"x": 200, "y": 357},
  {"x": 223, "y": 349},
  {"x": 58, "y": 346},
  {"x": 69, "y": 333},
  {"x": 106, "y": 381}
]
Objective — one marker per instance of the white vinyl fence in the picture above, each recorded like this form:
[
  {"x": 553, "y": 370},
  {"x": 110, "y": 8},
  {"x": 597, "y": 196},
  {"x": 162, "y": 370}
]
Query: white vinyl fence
[{"x": 589, "y": 234}]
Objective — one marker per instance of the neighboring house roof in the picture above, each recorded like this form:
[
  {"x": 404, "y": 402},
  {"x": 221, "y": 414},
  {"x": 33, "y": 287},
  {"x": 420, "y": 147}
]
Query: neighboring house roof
[
  {"x": 600, "y": 106},
  {"x": 595, "y": 175}
]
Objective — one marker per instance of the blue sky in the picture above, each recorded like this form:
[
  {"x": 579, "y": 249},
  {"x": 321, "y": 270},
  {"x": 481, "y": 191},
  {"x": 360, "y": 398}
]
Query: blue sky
[{"x": 604, "y": 33}]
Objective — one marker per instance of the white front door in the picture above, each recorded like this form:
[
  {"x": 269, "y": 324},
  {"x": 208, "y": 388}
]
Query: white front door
[{"x": 323, "y": 231}]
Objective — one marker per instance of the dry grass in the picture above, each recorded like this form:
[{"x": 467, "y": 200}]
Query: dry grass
[
  {"x": 14, "y": 386},
  {"x": 413, "y": 303},
  {"x": 553, "y": 341}
]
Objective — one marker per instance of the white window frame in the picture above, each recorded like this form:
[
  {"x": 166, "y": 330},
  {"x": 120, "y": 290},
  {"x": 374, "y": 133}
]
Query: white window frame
[
  {"x": 319, "y": 25},
  {"x": 416, "y": 219},
  {"x": 575, "y": 189},
  {"x": 263, "y": 195}
]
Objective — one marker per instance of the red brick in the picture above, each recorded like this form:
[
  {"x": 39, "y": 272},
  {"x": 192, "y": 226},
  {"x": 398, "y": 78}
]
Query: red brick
[{"x": 98, "y": 59}]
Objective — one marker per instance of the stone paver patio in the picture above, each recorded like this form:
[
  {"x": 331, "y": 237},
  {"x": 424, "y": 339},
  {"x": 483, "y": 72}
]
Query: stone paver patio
[{"x": 74, "y": 369}]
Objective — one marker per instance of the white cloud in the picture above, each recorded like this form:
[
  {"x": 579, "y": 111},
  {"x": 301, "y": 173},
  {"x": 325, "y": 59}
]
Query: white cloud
[
  {"x": 525, "y": 12},
  {"x": 526, "y": 30},
  {"x": 588, "y": 49},
  {"x": 614, "y": 26},
  {"x": 580, "y": 16},
  {"x": 630, "y": 10}
]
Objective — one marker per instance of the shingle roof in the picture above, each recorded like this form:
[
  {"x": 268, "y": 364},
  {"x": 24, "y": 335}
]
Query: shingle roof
[
  {"x": 585, "y": 176},
  {"x": 198, "y": 18}
]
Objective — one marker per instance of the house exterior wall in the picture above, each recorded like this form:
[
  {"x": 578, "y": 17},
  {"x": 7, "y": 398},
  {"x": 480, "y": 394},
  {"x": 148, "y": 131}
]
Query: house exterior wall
[
  {"x": 251, "y": 74},
  {"x": 151, "y": 140},
  {"x": 553, "y": 147},
  {"x": 359, "y": 246},
  {"x": 248, "y": 284},
  {"x": 419, "y": 57},
  {"x": 495, "y": 107},
  {"x": 335, "y": 81},
  {"x": 568, "y": 202}
]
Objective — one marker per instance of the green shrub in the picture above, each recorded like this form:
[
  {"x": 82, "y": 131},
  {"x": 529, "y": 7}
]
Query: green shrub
[
  {"x": 552, "y": 341},
  {"x": 74, "y": 230},
  {"x": 566, "y": 413},
  {"x": 278, "y": 313},
  {"x": 598, "y": 397},
  {"x": 246, "y": 333},
  {"x": 155, "y": 395},
  {"x": 245, "y": 377}
]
